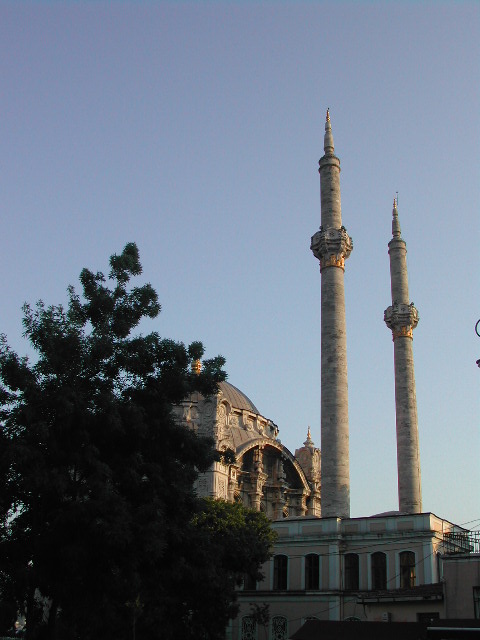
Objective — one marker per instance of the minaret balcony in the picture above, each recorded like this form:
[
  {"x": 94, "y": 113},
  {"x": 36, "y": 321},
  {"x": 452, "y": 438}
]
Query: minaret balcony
[
  {"x": 401, "y": 319},
  {"x": 331, "y": 246}
]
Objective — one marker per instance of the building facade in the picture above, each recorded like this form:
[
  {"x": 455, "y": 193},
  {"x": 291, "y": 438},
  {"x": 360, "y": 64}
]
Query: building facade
[
  {"x": 385, "y": 568},
  {"x": 265, "y": 476}
]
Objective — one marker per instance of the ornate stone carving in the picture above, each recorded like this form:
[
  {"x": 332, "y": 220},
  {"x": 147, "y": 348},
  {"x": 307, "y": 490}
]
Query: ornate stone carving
[
  {"x": 191, "y": 417},
  {"x": 235, "y": 421},
  {"x": 401, "y": 319},
  {"x": 222, "y": 415},
  {"x": 221, "y": 422},
  {"x": 258, "y": 460},
  {"x": 332, "y": 247},
  {"x": 208, "y": 408},
  {"x": 222, "y": 489},
  {"x": 248, "y": 424}
]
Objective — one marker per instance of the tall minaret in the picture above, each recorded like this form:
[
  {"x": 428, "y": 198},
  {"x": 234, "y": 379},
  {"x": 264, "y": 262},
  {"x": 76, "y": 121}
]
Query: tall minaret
[
  {"x": 402, "y": 318},
  {"x": 332, "y": 245}
]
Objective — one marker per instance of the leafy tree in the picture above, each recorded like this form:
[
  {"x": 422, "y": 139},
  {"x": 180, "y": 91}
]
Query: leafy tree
[
  {"x": 240, "y": 541},
  {"x": 97, "y": 510}
]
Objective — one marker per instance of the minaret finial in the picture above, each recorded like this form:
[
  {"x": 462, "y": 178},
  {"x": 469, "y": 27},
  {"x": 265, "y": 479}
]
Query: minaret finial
[
  {"x": 196, "y": 367},
  {"x": 396, "y": 231},
  {"x": 308, "y": 442},
  {"x": 328, "y": 145}
]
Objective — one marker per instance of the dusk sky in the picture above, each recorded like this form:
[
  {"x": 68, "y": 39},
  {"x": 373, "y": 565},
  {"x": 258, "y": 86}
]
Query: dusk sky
[{"x": 194, "y": 129}]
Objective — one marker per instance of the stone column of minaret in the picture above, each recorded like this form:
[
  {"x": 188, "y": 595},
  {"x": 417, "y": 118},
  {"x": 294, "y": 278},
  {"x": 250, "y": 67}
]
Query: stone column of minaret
[
  {"x": 332, "y": 245},
  {"x": 402, "y": 318}
]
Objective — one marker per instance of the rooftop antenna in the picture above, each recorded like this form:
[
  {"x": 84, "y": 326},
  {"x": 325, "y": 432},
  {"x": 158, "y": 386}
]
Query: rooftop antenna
[{"x": 397, "y": 197}]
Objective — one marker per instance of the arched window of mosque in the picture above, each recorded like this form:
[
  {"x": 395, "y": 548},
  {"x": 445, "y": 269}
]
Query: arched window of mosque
[
  {"x": 249, "y": 628},
  {"x": 407, "y": 570},
  {"x": 279, "y": 628},
  {"x": 379, "y": 570},
  {"x": 351, "y": 571},
  {"x": 249, "y": 582},
  {"x": 312, "y": 571},
  {"x": 280, "y": 572}
]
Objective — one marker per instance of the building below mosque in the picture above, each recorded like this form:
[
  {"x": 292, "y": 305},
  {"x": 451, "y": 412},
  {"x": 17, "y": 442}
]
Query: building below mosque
[{"x": 401, "y": 567}]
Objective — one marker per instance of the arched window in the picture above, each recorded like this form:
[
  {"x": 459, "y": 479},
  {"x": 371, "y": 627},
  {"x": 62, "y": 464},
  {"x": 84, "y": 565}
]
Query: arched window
[
  {"x": 312, "y": 571},
  {"x": 249, "y": 628},
  {"x": 379, "y": 570},
  {"x": 249, "y": 582},
  {"x": 280, "y": 570},
  {"x": 351, "y": 571},
  {"x": 407, "y": 570},
  {"x": 279, "y": 628}
]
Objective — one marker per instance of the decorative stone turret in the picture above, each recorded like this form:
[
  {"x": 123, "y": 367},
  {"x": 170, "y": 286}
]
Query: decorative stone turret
[
  {"x": 402, "y": 318},
  {"x": 309, "y": 458},
  {"x": 331, "y": 245}
]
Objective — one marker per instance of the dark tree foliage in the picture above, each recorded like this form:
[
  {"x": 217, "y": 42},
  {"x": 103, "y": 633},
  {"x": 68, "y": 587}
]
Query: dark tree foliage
[
  {"x": 232, "y": 542},
  {"x": 97, "y": 510}
]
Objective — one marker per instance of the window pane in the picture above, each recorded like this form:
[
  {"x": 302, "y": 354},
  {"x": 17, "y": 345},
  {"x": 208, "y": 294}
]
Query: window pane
[
  {"x": 351, "y": 571},
  {"x": 407, "y": 569},
  {"x": 249, "y": 582},
  {"x": 312, "y": 566},
  {"x": 476, "y": 601},
  {"x": 280, "y": 564},
  {"x": 379, "y": 570}
]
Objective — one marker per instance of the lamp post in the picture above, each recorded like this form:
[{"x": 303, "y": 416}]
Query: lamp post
[{"x": 477, "y": 331}]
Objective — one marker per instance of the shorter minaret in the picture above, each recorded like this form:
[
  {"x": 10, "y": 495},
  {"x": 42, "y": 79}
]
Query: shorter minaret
[{"x": 402, "y": 318}]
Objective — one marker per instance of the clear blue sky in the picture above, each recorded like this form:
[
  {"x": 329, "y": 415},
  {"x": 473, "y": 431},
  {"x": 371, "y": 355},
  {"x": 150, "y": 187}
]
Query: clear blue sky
[{"x": 194, "y": 129}]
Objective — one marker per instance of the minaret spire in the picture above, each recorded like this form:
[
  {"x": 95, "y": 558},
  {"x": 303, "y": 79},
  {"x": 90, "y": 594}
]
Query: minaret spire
[
  {"x": 328, "y": 145},
  {"x": 332, "y": 246},
  {"x": 396, "y": 231},
  {"x": 402, "y": 318}
]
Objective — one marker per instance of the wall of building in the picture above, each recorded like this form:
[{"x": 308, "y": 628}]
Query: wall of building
[
  {"x": 332, "y": 539},
  {"x": 461, "y": 574}
]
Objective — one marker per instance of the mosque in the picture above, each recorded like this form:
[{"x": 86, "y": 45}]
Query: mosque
[{"x": 326, "y": 565}]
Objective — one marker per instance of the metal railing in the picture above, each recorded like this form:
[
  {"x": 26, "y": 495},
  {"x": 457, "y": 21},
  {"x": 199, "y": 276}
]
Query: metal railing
[{"x": 462, "y": 542}]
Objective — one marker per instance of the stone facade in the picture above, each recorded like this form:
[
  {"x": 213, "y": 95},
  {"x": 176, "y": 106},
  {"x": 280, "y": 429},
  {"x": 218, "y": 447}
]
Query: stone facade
[
  {"x": 381, "y": 568},
  {"x": 265, "y": 475}
]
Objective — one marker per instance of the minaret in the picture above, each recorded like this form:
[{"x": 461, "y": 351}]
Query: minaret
[
  {"x": 332, "y": 245},
  {"x": 402, "y": 318}
]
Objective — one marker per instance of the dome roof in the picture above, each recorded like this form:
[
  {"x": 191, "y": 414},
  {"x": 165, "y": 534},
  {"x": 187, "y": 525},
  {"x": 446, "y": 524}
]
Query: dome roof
[{"x": 236, "y": 398}]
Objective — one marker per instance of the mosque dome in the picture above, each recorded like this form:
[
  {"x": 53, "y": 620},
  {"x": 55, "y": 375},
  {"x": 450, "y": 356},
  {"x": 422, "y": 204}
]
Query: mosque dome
[
  {"x": 237, "y": 398},
  {"x": 264, "y": 475}
]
